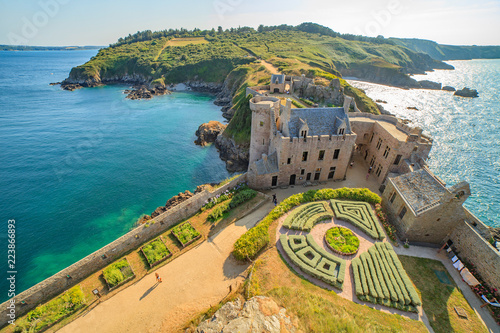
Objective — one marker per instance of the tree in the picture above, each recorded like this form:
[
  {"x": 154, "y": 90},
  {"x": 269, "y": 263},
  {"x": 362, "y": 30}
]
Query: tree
[
  {"x": 260, "y": 28},
  {"x": 219, "y": 30}
]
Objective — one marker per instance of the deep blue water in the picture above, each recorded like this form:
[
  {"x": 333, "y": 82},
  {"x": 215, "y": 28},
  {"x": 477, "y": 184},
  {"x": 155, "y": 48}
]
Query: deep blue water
[
  {"x": 78, "y": 168},
  {"x": 466, "y": 131}
]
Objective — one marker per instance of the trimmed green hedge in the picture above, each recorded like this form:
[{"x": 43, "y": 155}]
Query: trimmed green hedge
[
  {"x": 297, "y": 242},
  {"x": 340, "y": 262},
  {"x": 360, "y": 214},
  {"x": 316, "y": 267},
  {"x": 255, "y": 239},
  {"x": 379, "y": 278},
  {"x": 304, "y": 217}
]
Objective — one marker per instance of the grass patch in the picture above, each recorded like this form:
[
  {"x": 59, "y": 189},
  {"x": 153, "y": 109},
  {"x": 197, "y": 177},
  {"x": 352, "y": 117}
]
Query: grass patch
[
  {"x": 46, "y": 315},
  {"x": 187, "y": 41},
  {"x": 342, "y": 240},
  {"x": 117, "y": 273},
  {"x": 438, "y": 299},
  {"x": 156, "y": 251},
  {"x": 185, "y": 233}
]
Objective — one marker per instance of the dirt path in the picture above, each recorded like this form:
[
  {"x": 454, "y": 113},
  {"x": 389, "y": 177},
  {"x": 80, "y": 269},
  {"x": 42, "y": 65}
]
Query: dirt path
[
  {"x": 270, "y": 67},
  {"x": 191, "y": 283}
]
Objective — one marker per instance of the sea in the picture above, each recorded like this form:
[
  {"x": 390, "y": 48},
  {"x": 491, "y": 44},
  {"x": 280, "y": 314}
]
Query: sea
[
  {"x": 466, "y": 131},
  {"x": 77, "y": 169}
]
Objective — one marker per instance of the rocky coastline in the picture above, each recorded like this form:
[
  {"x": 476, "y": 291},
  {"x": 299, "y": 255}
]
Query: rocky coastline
[
  {"x": 207, "y": 132},
  {"x": 145, "y": 92}
]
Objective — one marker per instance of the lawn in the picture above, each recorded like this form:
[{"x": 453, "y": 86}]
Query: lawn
[{"x": 439, "y": 299}]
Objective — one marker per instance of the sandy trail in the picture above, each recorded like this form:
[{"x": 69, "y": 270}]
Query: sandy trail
[{"x": 191, "y": 283}]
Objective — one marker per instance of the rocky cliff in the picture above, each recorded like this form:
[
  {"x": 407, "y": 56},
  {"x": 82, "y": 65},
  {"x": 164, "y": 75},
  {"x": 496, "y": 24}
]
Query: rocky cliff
[
  {"x": 236, "y": 156},
  {"x": 258, "y": 314},
  {"x": 208, "y": 132}
]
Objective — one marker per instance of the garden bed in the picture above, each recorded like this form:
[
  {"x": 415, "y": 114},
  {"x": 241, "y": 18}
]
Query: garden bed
[
  {"x": 156, "y": 252},
  {"x": 359, "y": 214},
  {"x": 306, "y": 216},
  {"x": 379, "y": 278},
  {"x": 118, "y": 274},
  {"x": 342, "y": 241},
  {"x": 185, "y": 233}
]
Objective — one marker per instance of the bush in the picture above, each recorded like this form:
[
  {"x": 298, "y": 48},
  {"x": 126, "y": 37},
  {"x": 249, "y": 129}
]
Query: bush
[
  {"x": 117, "y": 272},
  {"x": 297, "y": 104},
  {"x": 342, "y": 240},
  {"x": 255, "y": 239},
  {"x": 241, "y": 197}
]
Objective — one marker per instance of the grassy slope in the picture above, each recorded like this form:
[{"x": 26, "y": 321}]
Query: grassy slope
[
  {"x": 438, "y": 299},
  {"x": 232, "y": 55}
]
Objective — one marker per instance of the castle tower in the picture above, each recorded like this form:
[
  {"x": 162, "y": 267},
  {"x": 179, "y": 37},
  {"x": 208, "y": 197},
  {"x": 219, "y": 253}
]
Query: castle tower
[{"x": 263, "y": 109}]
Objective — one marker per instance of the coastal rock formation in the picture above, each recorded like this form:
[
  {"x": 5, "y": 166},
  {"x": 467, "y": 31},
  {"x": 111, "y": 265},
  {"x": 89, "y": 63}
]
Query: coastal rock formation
[
  {"x": 449, "y": 88},
  {"x": 225, "y": 96},
  {"x": 426, "y": 84},
  {"x": 208, "y": 132},
  {"x": 258, "y": 314},
  {"x": 236, "y": 156},
  {"x": 412, "y": 108},
  {"x": 467, "y": 92},
  {"x": 144, "y": 92}
]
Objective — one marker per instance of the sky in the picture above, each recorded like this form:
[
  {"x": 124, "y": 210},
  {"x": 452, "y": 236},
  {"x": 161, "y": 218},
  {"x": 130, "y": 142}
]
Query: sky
[{"x": 101, "y": 22}]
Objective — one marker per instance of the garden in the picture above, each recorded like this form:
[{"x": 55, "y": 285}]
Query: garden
[
  {"x": 342, "y": 241},
  {"x": 379, "y": 278},
  {"x": 118, "y": 273},
  {"x": 359, "y": 214},
  {"x": 306, "y": 216},
  {"x": 156, "y": 252},
  {"x": 313, "y": 260},
  {"x": 48, "y": 314},
  {"x": 185, "y": 233}
]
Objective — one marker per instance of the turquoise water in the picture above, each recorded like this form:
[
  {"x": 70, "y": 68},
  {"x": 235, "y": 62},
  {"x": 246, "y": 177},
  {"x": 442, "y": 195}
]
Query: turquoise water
[
  {"x": 466, "y": 131},
  {"x": 78, "y": 168}
]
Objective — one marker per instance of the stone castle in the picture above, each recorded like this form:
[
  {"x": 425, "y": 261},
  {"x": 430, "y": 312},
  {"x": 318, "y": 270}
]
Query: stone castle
[{"x": 303, "y": 146}]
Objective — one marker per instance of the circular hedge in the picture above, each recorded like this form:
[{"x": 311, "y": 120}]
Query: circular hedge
[{"x": 342, "y": 241}]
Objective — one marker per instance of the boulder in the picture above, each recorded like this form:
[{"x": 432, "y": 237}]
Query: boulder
[
  {"x": 449, "y": 88},
  {"x": 426, "y": 84},
  {"x": 174, "y": 201},
  {"x": 144, "y": 92},
  {"x": 258, "y": 314},
  {"x": 467, "y": 92},
  {"x": 412, "y": 108},
  {"x": 208, "y": 132}
]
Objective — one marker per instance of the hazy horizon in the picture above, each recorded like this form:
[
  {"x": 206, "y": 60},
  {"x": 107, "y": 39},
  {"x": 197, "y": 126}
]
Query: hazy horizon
[{"x": 71, "y": 23}]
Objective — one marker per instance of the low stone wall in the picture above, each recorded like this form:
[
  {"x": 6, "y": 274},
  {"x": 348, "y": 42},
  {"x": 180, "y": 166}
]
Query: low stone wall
[
  {"x": 59, "y": 282},
  {"x": 254, "y": 90},
  {"x": 471, "y": 246}
]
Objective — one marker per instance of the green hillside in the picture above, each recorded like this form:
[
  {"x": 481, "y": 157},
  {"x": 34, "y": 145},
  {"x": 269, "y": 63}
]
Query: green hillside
[
  {"x": 448, "y": 52},
  {"x": 233, "y": 57}
]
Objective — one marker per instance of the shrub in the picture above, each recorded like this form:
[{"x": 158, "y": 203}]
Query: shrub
[
  {"x": 297, "y": 104},
  {"x": 185, "y": 233},
  {"x": 255, "y": 239},
  {"x": 117, "y": 272},
  {"x": 342, "y": 240},
  {"x": 359, "y": 214},
  {"x": 241, "y": 197}
]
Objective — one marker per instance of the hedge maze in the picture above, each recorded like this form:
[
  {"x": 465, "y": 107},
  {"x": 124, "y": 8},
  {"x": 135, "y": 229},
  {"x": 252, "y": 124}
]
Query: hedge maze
[
  {"x": 306, "y": 216},
  {"x": 313, "y": 260},
  {"x": 360, "y": 214},
  {"x": 380, "y": 278}
]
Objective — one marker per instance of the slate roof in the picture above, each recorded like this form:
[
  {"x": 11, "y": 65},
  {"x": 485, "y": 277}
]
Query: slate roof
[
  {"x": 269, "y": 166},
  {"x": 280, "y": 77},
  {"x": 321, "y": 121},
  {"x": 420, "y": 189}
]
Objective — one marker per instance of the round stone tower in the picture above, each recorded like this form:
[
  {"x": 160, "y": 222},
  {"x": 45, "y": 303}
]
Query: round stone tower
[{"x": 262, "y": 114}]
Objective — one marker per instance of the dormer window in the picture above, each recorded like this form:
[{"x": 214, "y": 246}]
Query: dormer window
[
  {"x": 341, "y": 131},
  {"x": 303, "y": 134}
]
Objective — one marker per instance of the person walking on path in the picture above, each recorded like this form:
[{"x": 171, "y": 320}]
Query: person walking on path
[
  {"x": 275, "y": 200},
  {"x": 158, "y": 278}
]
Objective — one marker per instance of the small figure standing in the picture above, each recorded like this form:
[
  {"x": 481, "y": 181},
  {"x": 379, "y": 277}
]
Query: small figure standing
[
  {"x": 275, "y": 200},
  {"x": 352, "y": 164},
  {"x": 370, "y": 170},
  {"x": 158, "y": 278}
]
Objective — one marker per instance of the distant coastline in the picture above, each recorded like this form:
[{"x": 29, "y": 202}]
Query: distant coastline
[{"x": 48, "y": 48}]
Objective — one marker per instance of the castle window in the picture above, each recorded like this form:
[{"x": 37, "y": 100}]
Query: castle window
[
  {"x": 379, "y": 144},
  {"x": 379, "y": 170},
  {"x": 386, "y": 152},
  {"x": 372, "y": 162},
  {"x": 332, "y": 173},
  {"x": 393, "y": 196},
  {"x": 302, "y": 171},
  {"x": 303, "y": 134},
  {"x": 341, "y": 131},
  {"x": 321, "y": 155},
  {"x": 317, "y": 174},
  {"x": 263, "y": 142},
  {"x": 304, "y": 156},
  {"x": 402, "y": 212},
  {"x": 288, "y": 161},
  {"x": 261, "y": 123},
  {"x": 371, "y": 139},
  {"x": 415, "y": 148},
  {"x": 336, "y": 153},
  {"x": 397, "y": 160}
]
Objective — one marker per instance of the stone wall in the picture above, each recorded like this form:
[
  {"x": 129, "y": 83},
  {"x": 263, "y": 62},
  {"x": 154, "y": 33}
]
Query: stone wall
[
  {"x": 59, "y": 282},
  {"x": 472, "y": 247}
]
